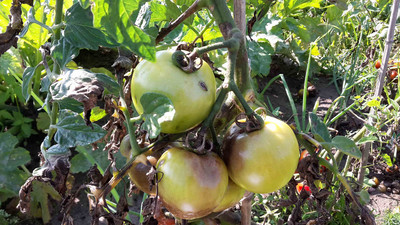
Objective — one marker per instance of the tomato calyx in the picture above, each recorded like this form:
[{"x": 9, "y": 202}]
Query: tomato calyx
[
  {"x": 198, "y": 142},
  {"x": 248, "y": 123},
  {"x": 187, "y": 63}
]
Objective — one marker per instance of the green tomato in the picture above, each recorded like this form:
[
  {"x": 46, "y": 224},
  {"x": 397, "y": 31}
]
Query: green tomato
[
  {"x": 262, "y": 161},
  {"x": 192, "y": 94},
  {"x": 191, "y": 186},
  {"x": 232, "y": 195}
]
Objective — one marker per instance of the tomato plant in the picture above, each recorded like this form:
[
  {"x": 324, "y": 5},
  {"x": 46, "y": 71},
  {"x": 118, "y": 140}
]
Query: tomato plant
[
  {"x": 192, "y": 94},
  {"x": 190, "y": 185},
  {"x": 262, "y": 161}
]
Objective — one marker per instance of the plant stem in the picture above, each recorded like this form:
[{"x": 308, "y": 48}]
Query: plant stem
[
  {"x": 305, "y": 91},
  {"x": 56, "y": 69},
  {"x": 53, "y": 120}
]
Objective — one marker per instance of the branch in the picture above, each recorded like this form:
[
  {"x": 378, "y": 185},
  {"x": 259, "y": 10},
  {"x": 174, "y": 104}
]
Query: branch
[{"x": 197, "y": 5}]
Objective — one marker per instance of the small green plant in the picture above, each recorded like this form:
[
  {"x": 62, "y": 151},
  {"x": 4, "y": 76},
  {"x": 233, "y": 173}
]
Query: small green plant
[{"x": 392, "y": 217}]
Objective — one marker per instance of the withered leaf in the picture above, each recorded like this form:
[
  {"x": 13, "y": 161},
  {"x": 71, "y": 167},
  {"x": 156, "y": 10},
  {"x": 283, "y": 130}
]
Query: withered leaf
[{"x": 84, "y": 86}]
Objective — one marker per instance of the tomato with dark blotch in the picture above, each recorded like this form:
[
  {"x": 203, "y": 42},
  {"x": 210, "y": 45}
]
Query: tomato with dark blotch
[
  {"x": 190, "y": 185},
  {"x": 232, "y": 196},
  {"x": 141, "y": 166},
  {"x": 262, "y": 161},
  {"x": 192, "y": 94}
]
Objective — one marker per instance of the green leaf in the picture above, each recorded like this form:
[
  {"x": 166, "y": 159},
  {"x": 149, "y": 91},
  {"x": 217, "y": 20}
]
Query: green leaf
[
  {"x": 43, "y": 121},
  {"x": 364, "y": 197},
  {"x": 166, "y": 12},
  {"x": 371, "y": 128},
  {"x": 291, "y": 6},
  {"x": 79, "y": 164},
  {"x": 72, "y": 130},
  {"x": 63, "y": 52},
  {"x": 157, "y": 109},
  {"x": 118, "y": 21},
  {"x": 79, "y": 30},
  {"x": 57, "y": 150},
  {"x": 370, "y": 138},
  {"x": 86, "y": 158},
  {"x": 11, "y": 177},
  {"x": 260, "y": 58},
  {"x": 27, "y": 77},
  {"x": 387, "y": 159},
  {"x": 319, "y": 129},
  {"x": 71, "y": 104},
  {"x": 346, "y": 146},
  {"x": 84, "y": 3},
  {"x": 40, "y": 194},
  {"x": 97, "y": 114},
  {"x": 269, "y": 30}
]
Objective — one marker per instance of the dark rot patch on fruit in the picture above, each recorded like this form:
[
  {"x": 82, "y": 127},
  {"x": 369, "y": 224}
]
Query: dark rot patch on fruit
[{"x": 203, "y": 86}]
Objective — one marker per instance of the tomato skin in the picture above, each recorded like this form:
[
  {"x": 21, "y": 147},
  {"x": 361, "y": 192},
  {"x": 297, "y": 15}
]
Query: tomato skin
[
  {"x": 262, "y": 161},
  {"x": 192, "y": 94},
  {"x": 300, "y": 187},
  {"x": 304, "y": 154},
  {"x": 393, "y": 74},
  {"x": 190, "y": 185},
  {"x": 232, "y": 195},
  {"x": 378, "y": 64}
]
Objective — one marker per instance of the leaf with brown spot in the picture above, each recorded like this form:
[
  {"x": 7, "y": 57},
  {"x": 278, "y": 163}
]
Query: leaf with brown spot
[{"x": 85, "y": 87}]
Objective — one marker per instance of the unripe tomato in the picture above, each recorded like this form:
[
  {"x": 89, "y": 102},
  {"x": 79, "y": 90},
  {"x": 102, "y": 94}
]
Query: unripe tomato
[
  {"x": 141, "y": 166},
  {"x": 191, "y": 185},
  {"x": 192, "y": 94},
  {"x": 232, "y": 195},
  {"x": 262, "y": 161}
]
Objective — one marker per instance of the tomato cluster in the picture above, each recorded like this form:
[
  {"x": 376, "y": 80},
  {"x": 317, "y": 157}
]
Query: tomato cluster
[{"x": 193, "y": 185}]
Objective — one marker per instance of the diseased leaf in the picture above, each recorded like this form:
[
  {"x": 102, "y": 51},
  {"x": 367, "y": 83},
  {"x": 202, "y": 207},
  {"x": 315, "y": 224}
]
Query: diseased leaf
[
  {"x": 73, "y": 131},
  {"x": 79, "y": 30},
  {"x": 118, "y": 20},
  {"x": 84, "y": 86},
  {"x": 157, "y": 109},
  {"x": 40, "y": 194}
]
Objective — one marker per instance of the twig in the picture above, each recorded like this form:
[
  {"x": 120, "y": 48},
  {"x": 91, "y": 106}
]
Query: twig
[{"x": 165, "y": 31}]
